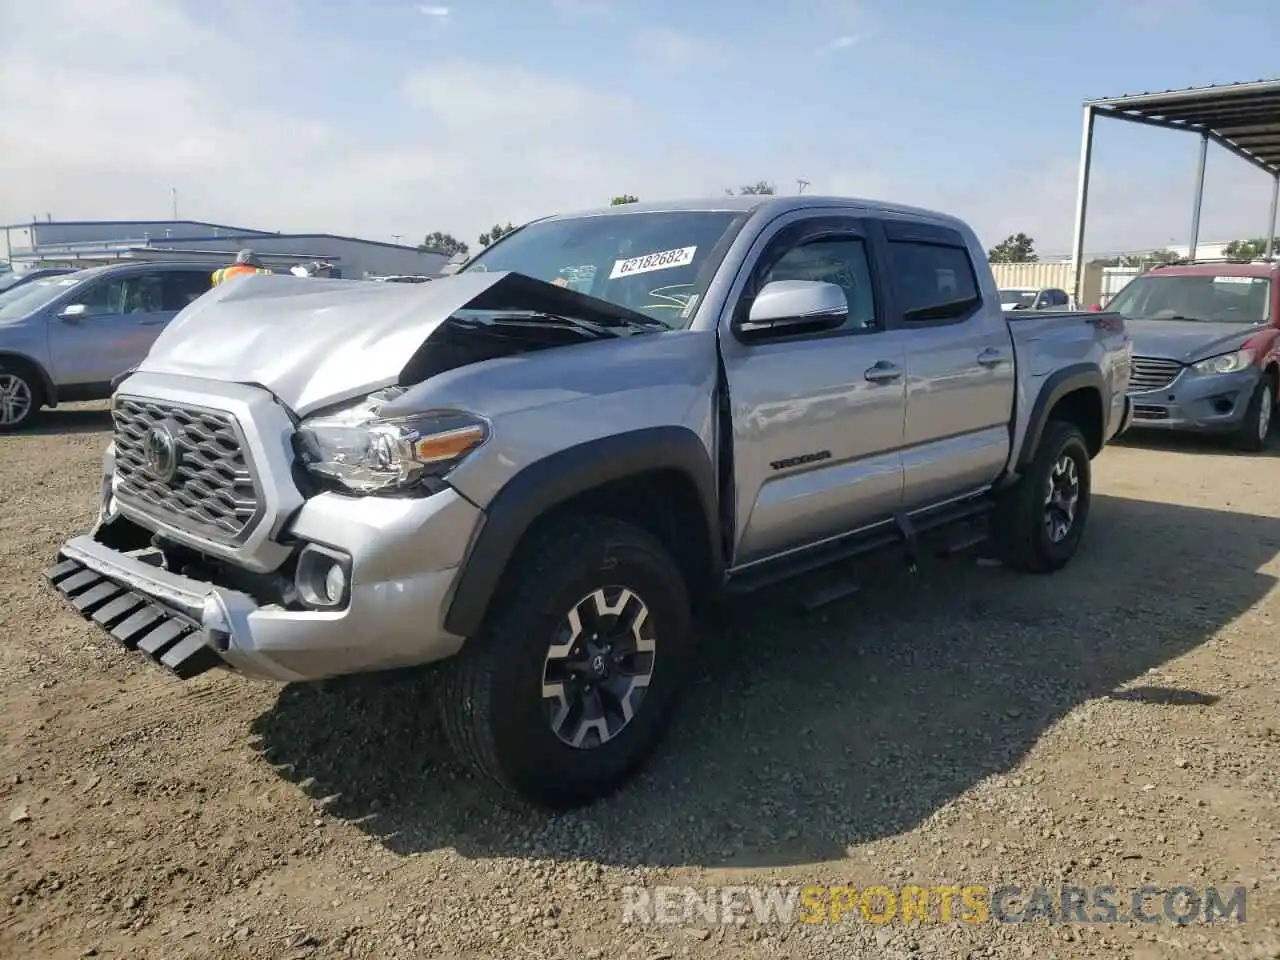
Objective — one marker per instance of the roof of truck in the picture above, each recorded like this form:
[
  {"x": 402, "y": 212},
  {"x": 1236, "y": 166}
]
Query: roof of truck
[{"x": 758, "y": 202}]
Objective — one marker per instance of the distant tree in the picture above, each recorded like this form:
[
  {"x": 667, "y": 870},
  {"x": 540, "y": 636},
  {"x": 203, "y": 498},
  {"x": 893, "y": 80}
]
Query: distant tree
[
  {"x": 445, "y": 243},
  {"x": 1015, "y": 248},
  {"x": 1248, "y": 249},
  {"x": 1161, "y": 256},
  {"x": 495, "y": 233},
  {"x": 759, "y": 188},
  {"x": 624, "y": 198}
]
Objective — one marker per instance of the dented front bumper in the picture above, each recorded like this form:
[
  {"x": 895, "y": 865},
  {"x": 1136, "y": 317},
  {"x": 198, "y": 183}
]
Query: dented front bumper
[{"x": 403, "y": 555}]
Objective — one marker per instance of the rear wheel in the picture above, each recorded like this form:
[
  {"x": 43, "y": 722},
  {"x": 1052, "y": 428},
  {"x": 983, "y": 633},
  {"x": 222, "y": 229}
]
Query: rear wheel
[
  {"x": 1038, "y": 523},
  {"x": 21, "y": 396},
  {"x": 571, "y": 683},
  {"x": 1255, "y": 430}
]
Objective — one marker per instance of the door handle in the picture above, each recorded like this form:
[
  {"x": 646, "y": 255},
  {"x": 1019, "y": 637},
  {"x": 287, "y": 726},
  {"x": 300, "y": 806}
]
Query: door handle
[
  {"x": 882, "y": 372},
  {"x": 991, "y": 357},
  {"x": 150, "y": 323}
]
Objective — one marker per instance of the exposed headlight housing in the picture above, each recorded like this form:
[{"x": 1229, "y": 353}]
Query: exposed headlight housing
[
  {"x": 363, "y": 452},
  {"x": 1227, "y": 362}
]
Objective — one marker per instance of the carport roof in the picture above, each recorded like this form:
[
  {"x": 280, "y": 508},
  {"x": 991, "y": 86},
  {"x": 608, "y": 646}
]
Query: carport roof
[{"x": 1241, "y": 117}]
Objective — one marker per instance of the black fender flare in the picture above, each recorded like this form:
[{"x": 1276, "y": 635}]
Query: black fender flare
[
  {"x": 1056, "y": 386},
  {"x": 549, "y": 482},
  {"x": 46, "y": 381}
]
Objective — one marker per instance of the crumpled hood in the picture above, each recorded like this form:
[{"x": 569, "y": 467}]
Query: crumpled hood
[
  {"x": 1186, "y": 340},
  {"x": 315, "y": 342}
]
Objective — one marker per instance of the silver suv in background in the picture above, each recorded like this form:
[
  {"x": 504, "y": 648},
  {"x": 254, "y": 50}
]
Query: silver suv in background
[
  {"x": 534, "y": 469},
  {"x": 66, "y": 338},
  {"x": 1035, "y": 298}
]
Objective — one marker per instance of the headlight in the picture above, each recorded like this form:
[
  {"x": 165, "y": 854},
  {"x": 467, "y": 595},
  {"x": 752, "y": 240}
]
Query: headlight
[
  {"x": 367, "y": 453},
  {"x": 1226, "y": 363}
]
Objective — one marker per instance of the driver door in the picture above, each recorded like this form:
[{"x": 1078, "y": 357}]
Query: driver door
[
  {"x": 122, "y": 317},
  {"x": 818, "y": 418}
]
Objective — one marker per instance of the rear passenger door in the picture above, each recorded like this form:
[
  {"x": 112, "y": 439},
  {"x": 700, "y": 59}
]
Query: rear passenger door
[
  {"x": 817, "y": 417},
  {"x": 960, "y": 367}
]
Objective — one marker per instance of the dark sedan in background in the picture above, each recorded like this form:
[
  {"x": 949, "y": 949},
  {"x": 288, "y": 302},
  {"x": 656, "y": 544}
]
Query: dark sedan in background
[{"x": 13, "y": 279}]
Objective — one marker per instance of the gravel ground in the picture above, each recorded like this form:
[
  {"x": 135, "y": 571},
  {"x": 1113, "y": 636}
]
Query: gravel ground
[{"x": 1114, "y": 724}]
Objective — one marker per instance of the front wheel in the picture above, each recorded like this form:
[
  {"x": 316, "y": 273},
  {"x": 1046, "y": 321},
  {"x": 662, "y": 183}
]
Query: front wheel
[
  {"x": 571, "y": 683},
  {"x": 1038, "y": 523},
  {"x": 1255, "y": 431},
  {"x": 20, "y": 397}
]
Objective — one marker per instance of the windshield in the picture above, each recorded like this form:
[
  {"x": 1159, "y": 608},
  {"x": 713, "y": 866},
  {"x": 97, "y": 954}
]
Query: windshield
[
  {"x": 1023, "y": 297},
  {"x": 32, "y": 296},
  {"x": 657, "y": 263},
  {"x": 1214, "y": 299}
]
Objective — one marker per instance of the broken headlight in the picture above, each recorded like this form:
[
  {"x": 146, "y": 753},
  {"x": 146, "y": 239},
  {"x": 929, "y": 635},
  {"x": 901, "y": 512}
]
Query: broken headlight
[{"x": 363, "y": 452}]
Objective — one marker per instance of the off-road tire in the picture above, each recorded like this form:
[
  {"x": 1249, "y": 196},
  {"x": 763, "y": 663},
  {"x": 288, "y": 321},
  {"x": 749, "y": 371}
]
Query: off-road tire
[
  {"x": 490, "y": 694},
  {"x": 1250, "y": 437},
  {"x": 31, "y": 379},
  {"x": 1018, "y": 531}
]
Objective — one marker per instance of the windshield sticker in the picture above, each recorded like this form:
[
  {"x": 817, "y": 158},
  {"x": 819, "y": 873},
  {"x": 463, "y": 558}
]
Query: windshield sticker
[
  {"x": 1245, "y": 280},
  {"x": 663, "y": 260}
]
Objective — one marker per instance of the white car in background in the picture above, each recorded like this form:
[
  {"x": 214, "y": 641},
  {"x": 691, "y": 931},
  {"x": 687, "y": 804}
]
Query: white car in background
[{"x": 1035, "y": 298}]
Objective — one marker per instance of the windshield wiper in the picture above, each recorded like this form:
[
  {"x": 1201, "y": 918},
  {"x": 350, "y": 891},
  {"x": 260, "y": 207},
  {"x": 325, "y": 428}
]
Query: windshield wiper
[{"x": 535, "y": 319}]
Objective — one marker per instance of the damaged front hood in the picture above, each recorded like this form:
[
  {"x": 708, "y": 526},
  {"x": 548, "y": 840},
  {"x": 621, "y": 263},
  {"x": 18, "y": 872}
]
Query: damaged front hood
[{"x": 315, "y": 342}]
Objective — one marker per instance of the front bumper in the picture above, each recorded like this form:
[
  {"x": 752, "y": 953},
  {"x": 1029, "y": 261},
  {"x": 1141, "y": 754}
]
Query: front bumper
[
  {"x": 1209, "y": 403},
  {"x": 405, "y": 556}
]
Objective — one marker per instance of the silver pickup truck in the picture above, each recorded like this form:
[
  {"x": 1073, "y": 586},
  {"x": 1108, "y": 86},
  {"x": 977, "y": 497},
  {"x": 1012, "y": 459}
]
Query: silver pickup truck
[{"x": 535, "y": 469}]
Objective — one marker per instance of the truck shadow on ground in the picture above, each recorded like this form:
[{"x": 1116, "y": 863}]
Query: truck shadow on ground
[{"x": 804, "y": 734}]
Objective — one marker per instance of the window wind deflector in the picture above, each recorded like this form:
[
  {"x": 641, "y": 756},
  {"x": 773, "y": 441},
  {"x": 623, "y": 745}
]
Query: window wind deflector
[{"x": 940, "y": 311}]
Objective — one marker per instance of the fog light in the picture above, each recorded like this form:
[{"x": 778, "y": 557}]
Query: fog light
[
  {"x": 323, "y": 577},
  {"x": 335, "y": 583}
]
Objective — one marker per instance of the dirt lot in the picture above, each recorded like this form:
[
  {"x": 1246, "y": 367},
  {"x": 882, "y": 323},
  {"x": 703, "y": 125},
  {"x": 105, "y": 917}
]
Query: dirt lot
[{"x": 1116, "y": 724}]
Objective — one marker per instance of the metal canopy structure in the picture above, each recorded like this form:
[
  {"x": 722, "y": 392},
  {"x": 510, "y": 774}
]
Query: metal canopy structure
[{"x": 1243, "y": 118}]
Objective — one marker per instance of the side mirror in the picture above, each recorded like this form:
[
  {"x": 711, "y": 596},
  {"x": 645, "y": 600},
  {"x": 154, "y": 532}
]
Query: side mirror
[
  {"x": 796, "y": 306},
  {"x": 75, "y": 311}
]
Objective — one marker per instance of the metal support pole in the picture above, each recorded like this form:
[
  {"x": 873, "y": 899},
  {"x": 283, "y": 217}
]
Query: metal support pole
[
  {"x": 1271, "y": 222},
  {"x": 1082, "y": 206},
  {"x": 1195, "y": 209}
]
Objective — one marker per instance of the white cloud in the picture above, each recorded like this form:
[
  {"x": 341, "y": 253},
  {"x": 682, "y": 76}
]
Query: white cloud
[
  {"x": 838, "y": 43},
  {"x": 430, "y": 11},
  {"x": 678, "y": 49}
]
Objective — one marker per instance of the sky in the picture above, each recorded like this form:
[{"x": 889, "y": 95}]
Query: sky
[{"x": 385, "y": 119}]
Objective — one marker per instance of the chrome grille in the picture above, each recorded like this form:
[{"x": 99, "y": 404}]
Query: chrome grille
[
  {"x": 1149, "y": 373},
  {"x": 212, "y": 492}
]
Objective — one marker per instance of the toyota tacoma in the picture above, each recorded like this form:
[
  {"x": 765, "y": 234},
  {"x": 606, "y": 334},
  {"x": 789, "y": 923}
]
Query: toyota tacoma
[{"x": 535, "y": 469}]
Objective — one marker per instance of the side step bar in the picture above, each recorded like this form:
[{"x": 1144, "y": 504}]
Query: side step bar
[{"x": 902, "y": 531}]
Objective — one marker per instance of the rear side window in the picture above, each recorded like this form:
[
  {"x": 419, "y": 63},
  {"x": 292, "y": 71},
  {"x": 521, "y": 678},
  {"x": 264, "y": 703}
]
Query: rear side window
[
  {"x": 183, "y": 286},
  {"x": 933, "y": 276}
]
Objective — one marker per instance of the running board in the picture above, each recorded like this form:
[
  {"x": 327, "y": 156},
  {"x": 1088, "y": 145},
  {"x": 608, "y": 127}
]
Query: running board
[{"x": 902, "y": 531}]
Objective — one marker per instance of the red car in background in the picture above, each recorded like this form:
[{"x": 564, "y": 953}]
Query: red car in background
[{"x": 1206, "y": 348}]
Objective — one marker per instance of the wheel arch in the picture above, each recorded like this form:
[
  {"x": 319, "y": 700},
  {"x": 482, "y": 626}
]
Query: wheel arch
[
  {"x": 660, "y": 478},
  {"x": 47, "y": 385},
  {"x": 1074, "y": 394}
]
